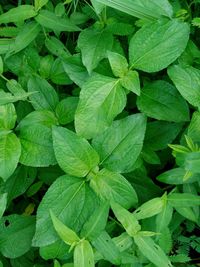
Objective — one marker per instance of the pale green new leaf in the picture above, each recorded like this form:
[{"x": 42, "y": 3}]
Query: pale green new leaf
[
  {"x": 152, "y": 251},
  {"x": 73, "y": 153},
  {"x": 3, "y": 203},
  {"x": 101, "y": 100},
  {"x": 37, "y": 146},
  {"x": 128, "y": 220},
  {"x": 49, "y": 20},
  {"x": 83, "y": 255},
  {"x": 120, "y": 145},
  {"x": 186, "y": 80},
  {"x": 40, "y": 3},
  {"x": 8, "y": 116},
  {"x": 1, "y": 65},
  {"x": 10, "y": 151},
  {"x": 160, "y": 100},
  {"x": 118, "y": 63},
  {"x": 149, "y": 208},
  {"x": 131, "y": 82},
  {"x": 164, "y": 218},
  {"x": 158, "y": 44},
  {"x": 142, "y": 9},
  {"x": 17, "y": 14},
  {"x": 65, "y": 233},
  {"x": 114, "y": 187},
  {"x": 94, "y": 46}
]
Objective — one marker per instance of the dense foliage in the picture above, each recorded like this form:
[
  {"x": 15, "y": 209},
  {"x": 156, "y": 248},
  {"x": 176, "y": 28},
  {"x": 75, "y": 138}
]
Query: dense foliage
[{"x": 99, "y": 133}]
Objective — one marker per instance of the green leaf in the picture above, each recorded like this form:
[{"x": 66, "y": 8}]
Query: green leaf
[
  {"x": 151, "y": 251},
  {"x": 16, "y": 234},
  {"x": 164, "y": 218},
  {"x": 149, "y": 208},
  {"x": 176, "y": 176},
  {"x": 5, "y": 45},
  {"x": 18, "y": 14},
  {"x": 188, "y": 213},
  {"x": 160, "y": 100},
  {"x": 74, "y": 68},
  {"x": 8, "y": 116},
  {"x": 131, "y": 82},
  {"x": 194, "y": 127},
  {"x": 161, "y": 133},
  {"x": 65, "y": 110},
  {"x": 94, "y": 46},
  {"x": 118, "y": 63},
  {"x": 37, "y": 146},
  {"x": 183, "y": 200},
  {"x": 73, "y": 153},
  {"x": 158, "y": 44},
  {"x": 9, "y": 157},
  {"x": 72, "y": 202},
  {"x": 1, "y": 65},
  {"x": 114, "y": 187},
  {"x": 26, "y": 35},
  {"x": 142, "y": 9},
  {"x": 46, "y": 97},
  {"x": 65, "y": 233},
  {"x": 56, "y": 250},
  {"x": 56, "y": 47},
  {"x": 127, "y": 219},
  {"x": 106, "y": 246},
  {"x": 83, "y": 255},
  {"x": 49, "y": 20},
  {"x": 6, "y": 98},
  {"x": 3, "y": 203},
  {"x": 57, "y": 73},
  {"x": 101, "y": 100},
  {"x": 96, "y": 223},
  {"x": 38, "y": 117},
  {"x": 186, "y": 80},
  {"x": 40, "y": 3},
  {"x": 120, "y": 145}
]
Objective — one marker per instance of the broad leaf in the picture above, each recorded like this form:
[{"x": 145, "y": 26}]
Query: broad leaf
[
  {"x": 40, "y": 3},
  {"x": 16, "y": 234},
  {"x": 3, "y": 203},
  {"x": 118, "y": 63},
  {"x": 49, "y": 20},
  {"x": 183, "y": 200},
  {"x": 127, "y": 219},
  {"x": 83, "y": 255},
  {"x": 142, "y": 9},
  {"x": 73, "y": 153},
  {"x": 152, "y": 251},
  {"x": 131, "y": 82},
  {"x": 75, "y": 202},
  {"x": 120, "y": 145},
  {"x": 8, "y": 116},
  {"x": 149, "y": 208},
  {"x": 45, "y": 97},
  {"x": 108, "y": 249},
  {"x": 94, "y": 46},
  {"x": 158, "y": 44},
  {"x": 64, "y": 232},
  {"x": 37, "y": 146},
  {"x": 186, "y": 80},
  {"x": 96, "y": 223},
  {"x": 101, "y": 99},
  {"x": 18, "y": 14},
  {"x": 160, "y": 100},
  {"x": 114, "y": 187},
  {"x": 10, "y": 151},
  {"x": 65, "y": 110}
]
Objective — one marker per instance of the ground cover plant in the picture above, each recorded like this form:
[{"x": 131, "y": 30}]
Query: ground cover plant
[{"x": 99, "y": 133}]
